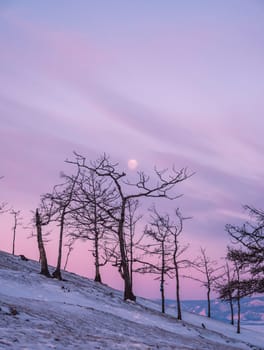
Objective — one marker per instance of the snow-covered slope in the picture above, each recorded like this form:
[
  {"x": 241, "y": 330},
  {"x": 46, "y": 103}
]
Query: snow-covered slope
[{"x": 41, "y": 313}]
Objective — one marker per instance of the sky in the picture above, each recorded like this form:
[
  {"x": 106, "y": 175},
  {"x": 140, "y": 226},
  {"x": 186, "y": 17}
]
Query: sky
[{"x": 163, "y": 83}]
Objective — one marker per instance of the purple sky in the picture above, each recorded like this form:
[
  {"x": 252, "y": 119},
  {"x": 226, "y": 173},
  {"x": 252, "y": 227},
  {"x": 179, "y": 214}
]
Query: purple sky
[{"x": 162, "y": 82}]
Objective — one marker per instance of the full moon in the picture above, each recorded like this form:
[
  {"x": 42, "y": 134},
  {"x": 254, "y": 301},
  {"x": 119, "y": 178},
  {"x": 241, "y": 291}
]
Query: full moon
[{"x": 132, "y": 164}]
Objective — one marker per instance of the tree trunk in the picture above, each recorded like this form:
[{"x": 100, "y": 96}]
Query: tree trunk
[
  {"x": 42, "y": 253},
  {"x": 162, "y": 280},
  {"x": 162, "y": 294},
  {"x": 238, "y": 303},
  {"x": 97, "y": 265},
  {"x": 57, "y": 272},
  {"x": 208, "y": 302},
  {"x": 179, "y": 314},
  {"x": 238, "y": 298},
  {"x": 238, "y": 314},
  {"x": 230, "y": 296},
  {"x": 176, "y": 268},
  {"x": 231, "y": 309},
  {"x": 131, "y": 256},
  {"x": 14, "y": 237},
  {"x": 128, "y": 293}
]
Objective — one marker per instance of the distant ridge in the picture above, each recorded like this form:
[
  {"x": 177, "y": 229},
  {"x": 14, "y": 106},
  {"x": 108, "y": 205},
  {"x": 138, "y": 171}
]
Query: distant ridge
[{"x": 252, "y": 309}]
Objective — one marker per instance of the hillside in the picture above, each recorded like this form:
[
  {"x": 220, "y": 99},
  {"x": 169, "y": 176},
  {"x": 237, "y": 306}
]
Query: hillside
[{"x": 41, "y": 313}]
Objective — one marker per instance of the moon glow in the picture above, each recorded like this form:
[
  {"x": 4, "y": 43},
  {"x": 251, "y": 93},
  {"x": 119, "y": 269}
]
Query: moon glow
[{"x": 132, "y": 164}]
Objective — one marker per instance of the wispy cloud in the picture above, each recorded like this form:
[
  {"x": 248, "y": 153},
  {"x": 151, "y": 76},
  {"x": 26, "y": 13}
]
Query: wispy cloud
[{"x": 164, "y": 84}]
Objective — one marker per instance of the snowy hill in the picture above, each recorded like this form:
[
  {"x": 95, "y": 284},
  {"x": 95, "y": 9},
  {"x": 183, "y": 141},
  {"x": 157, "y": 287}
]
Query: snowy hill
[{"x": 41, "y": 313}]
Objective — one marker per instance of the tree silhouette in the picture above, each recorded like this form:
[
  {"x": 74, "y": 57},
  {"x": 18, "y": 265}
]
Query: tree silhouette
[
  {"x": 209, "y": 274},
  {"x": 126, "y": 190},
  {"x": 248, "y": 250}
]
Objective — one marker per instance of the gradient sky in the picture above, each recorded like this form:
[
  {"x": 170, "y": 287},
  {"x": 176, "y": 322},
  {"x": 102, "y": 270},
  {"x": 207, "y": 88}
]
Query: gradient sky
[{"x": 162, "y": 82}]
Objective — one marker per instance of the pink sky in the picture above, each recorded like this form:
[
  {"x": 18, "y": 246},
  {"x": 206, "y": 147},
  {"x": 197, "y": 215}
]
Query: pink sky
[{"x": 171, "y": 82}]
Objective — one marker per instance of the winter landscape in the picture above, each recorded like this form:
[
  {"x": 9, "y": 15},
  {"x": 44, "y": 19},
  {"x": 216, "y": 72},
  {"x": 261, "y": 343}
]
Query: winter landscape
[
  {"x": 131, "y": 174},
  {"x": 77, "y": 313}
]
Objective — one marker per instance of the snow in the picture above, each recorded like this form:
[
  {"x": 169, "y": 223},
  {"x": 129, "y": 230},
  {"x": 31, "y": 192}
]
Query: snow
[{"x": 41, "y": 313}]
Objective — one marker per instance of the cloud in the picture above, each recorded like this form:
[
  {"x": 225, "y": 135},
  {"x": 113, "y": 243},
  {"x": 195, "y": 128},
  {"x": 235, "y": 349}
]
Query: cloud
[{"x": 160, "y": 90}]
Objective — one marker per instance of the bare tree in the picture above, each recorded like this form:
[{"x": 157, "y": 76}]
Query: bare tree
[
  {"x": 132, "y": 241},
  {"x": 166, "y": 231},
  {"x": 175, "y": 229},
  {"x": 226, "y": 282},
  {"x": 209, "y": 271},
  {"x": 17, "y": 221},
  {"x": 131, "y": 238},
  {"x": 232, "y": 290},
  {"x": 238, "y": 296},
  {"x": 62, "y": 197},
  {"x": 91, "y": 221},
  {"x": 247, "y": 257},
  {"x": 43, "y": 216},
  {"x": 248, "y": 250},
  {"x": 159, "y": 249},
  {"x": 127, "y": 190}
]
